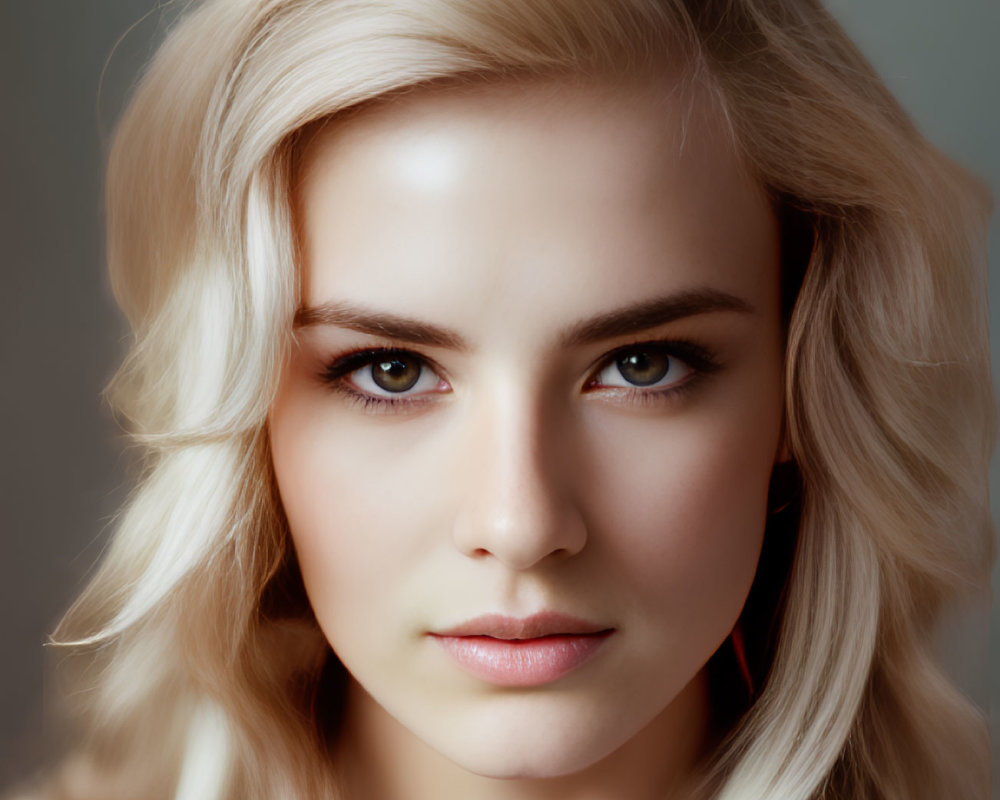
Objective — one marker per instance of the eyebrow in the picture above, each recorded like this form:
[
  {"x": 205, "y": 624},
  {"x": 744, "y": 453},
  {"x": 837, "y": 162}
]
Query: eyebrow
[
  {"x": 378, "y": 323},
  {"x": 633, "y": 318},
  {"x": 647, "y": 314}
]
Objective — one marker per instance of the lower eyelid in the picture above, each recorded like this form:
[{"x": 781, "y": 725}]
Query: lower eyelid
[
  {"x": 426, "y": 373},
  {"x": 637, "y": 396},
  {"x": 337, "y": 376},
  {"x": 379, "y": 404},
  {"x": 697, "y": 361}
]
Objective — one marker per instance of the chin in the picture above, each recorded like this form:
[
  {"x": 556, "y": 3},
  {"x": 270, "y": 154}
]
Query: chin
[
  {"x": 550, "y": 748},
  {"x": 513, "y": 766}
]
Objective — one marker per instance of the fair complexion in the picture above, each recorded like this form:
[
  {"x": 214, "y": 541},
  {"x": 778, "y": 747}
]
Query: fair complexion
[{"x": 537, "y": 370}]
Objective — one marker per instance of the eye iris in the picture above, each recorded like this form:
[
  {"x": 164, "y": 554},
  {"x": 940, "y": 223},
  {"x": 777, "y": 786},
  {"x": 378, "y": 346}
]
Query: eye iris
[
  {"x": 396, "y": 374},
  {"x": 643, "y": 368}
]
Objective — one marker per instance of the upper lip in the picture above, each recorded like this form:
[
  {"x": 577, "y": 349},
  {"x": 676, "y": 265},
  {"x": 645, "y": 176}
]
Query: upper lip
[{"x": 545, "y": 623}]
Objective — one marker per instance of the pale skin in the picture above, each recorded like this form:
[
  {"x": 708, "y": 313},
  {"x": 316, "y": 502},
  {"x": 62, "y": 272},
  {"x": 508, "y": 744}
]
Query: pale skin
[{"x": 526, "y": 253}]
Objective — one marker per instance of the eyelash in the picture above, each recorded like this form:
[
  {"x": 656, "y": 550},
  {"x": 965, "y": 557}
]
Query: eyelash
[
  {"x": 698, "y": 359},
  {"x": 337, "y": 372},
  {"x": 701, "y": 362}
]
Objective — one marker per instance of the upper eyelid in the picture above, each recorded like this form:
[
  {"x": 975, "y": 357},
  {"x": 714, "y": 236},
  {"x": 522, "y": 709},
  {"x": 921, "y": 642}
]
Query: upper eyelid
[
  {"x": 698, "y": 358},
  {"x": 336, "y": 374},
  {"x": 368, "y": 355}
]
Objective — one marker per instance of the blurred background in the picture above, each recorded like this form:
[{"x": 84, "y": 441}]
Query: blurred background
[{"x": 66, "y": 67}]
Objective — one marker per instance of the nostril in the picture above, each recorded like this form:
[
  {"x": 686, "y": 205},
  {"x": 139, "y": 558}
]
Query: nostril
[{"x": 518, "y": 505}]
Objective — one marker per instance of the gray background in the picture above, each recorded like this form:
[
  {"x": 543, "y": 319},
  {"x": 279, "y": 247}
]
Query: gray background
[{"x": 62, "y": 467}]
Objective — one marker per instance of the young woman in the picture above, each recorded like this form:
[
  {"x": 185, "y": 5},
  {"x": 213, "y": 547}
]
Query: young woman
[{"x": 539, "y": 399}]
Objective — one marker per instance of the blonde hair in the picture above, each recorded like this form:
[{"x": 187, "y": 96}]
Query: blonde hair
[{"x": 202, "y": 639}]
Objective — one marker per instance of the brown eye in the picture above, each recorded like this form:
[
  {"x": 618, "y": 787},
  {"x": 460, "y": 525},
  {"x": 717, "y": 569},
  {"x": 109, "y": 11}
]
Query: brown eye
[
  {"x": 643, "y": 367},
  {"x": 396, "y": 374},
  {"x": 387, "y": 374},
  {"x": 652, "y": 365}
]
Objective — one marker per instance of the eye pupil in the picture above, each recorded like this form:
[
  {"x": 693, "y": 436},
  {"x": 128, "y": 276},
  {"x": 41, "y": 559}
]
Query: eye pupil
[
  {"x": 643, "y": 368},
  {"x": 396, "y": 374}
]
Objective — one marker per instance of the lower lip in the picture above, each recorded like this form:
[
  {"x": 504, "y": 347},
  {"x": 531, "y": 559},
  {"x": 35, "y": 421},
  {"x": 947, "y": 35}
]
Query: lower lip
[{"x": 522, "y": 662}]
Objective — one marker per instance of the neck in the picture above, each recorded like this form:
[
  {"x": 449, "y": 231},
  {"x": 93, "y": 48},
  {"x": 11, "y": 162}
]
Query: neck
[{"x": 377, "y": 757}]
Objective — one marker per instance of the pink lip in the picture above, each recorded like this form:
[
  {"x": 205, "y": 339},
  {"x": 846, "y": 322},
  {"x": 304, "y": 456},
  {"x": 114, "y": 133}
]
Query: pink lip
[{"x": 532, "y": 651}]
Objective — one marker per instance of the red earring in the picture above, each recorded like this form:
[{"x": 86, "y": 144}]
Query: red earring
[
  {"x": 784, "y": 488},
  {"x": 739, "y": 650}
]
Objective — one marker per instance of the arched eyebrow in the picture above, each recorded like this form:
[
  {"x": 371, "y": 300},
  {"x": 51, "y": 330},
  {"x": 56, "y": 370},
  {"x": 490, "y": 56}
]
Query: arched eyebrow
[
  {"x": 379, "y": 323},
  {"x": 647, "y": 314},
  {"x": 630, "y": 319}
]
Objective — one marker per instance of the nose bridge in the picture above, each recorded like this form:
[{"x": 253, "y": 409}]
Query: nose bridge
[{"x": 519, "y": 505}]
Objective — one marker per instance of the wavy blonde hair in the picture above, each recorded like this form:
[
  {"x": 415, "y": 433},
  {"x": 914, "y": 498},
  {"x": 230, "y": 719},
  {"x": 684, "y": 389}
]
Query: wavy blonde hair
[{"x": 206, "y": 675}]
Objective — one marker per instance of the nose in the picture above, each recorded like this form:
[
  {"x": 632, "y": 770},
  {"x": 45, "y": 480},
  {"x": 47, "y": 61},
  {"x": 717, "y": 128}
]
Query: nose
[{"x": 517, "y": 492}]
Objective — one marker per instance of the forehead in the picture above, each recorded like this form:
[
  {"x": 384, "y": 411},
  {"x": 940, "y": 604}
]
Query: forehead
[
  {"x": 561, "y": 118},
  {"x": 484, "y": 194}
]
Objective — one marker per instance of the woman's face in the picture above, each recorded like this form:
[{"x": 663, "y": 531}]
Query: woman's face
[{"x": 524, "y": 438}]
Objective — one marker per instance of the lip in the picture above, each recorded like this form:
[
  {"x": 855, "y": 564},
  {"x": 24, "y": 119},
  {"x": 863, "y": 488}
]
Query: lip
[{"x": 522, "y": 651}]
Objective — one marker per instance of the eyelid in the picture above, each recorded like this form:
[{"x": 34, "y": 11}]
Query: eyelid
[
  {"x": 336, "y": 375},
  {"x": 699, "y": 359},
  {"x": 605, "y": 378}
]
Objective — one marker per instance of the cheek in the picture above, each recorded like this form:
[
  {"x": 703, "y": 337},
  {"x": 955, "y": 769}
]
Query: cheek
[
  {"x": 674, "y": 505},
  {"x": 331, "y": 513},
  {"x": 682, "y": 506},
  {"x": 363, "y": 507}
]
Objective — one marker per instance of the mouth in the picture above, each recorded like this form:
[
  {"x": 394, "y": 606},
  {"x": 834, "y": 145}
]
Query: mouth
[{"x": 522, "y": 652}]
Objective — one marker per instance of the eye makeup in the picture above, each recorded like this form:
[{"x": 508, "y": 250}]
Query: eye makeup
[
  {"x": 367, "y": 377},
  {"x": 649, "y": 363},
  {"x": 383, "y": 365}
]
